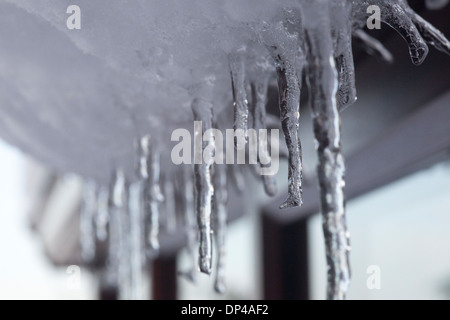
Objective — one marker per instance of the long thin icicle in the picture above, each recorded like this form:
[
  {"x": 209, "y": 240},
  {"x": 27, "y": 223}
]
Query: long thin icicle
[
  {"x": 204, "y": 189},
  {"x": 221, "y": 214},
  {"x": 113, "y": 257},
  {"x": 435, "y": 4},
  {"x": 118, "y": 260},
  {"x": 340, "y": 14},
  {"x": 102, "y": 215},
  {"x": 323, "y": 80},
  {"x": 190, "y": 224},
  {"x": 156, "y": 199},
  {"x": 125, "y": 277}
]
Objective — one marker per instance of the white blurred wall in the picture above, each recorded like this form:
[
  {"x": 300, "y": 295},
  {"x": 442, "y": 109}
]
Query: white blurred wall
[{"x": 25, "y": 272}]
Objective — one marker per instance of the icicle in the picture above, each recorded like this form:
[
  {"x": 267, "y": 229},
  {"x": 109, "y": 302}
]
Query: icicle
[
  {"x": 170, "y": 210},
  {"x": 112, "y": 263},
  {"x": 289, "y": 99},
  {"x": 288, "y": 56},
  {"x": 87, "y": 216},
  {"x": 430, "y": 34},
  {"x": 102, "y": 216},
  {"x": 118, "y": 252},
  {"x": 373, "y": 46},
  {"x": 203, "y": 185},
  {"x": 395, "y": 14},
  {"x": 259, "y": 101},
  {"x": 414, "y": 29},
  {"x": 149, "y": 171},
  {"x": 220, "y": 209},
  {"x": 137, "y": 240},
  {"x": 190, "y": 224},
  {"x": 343, "y": 54},
  {"x": 323, "y": 80},
  {"x": 274, "y": 123},
  {"x": 117, "y": 193},
  {"x": 258, "y": 108},
  {"x": 240, "y": 101},
  {"x": 122, "y": 192}
]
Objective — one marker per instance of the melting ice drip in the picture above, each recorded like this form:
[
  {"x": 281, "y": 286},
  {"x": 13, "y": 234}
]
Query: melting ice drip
[{"x": 282, "y": 39}]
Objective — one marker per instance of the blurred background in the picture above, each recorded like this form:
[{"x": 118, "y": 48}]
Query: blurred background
[
  {"x": 397, "y": 143},
  {"x": 402, "y": 228}
]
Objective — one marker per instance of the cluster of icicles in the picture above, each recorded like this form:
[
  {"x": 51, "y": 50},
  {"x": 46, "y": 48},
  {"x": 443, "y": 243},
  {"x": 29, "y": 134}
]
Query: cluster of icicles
[{"x": 128, "y": 215}]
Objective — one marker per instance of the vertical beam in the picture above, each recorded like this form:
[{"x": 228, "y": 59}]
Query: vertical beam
[
  {"x": 164, "y": 278},
  {"x": 285, "y": 259}
]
